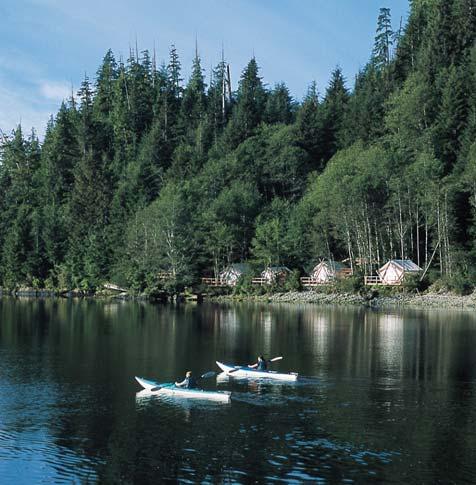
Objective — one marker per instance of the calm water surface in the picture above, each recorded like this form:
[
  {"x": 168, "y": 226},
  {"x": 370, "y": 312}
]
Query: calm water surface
[{"x": 387, "y": 396}]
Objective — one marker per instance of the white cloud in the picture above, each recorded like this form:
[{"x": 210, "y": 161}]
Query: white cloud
[
  {"x": 19, "y": 106},
  {"x": 55, "y": 91}
]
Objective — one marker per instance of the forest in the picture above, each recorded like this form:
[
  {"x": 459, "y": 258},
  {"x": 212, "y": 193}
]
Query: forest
[{"x": 143, "y": 172}]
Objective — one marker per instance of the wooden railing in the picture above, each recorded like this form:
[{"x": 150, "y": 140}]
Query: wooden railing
[
  {"x": 213, "y": 282},
  {"x": 372, "y": 280},
  {"x": 310, "y": 282},
  {"x": 260, "y": 281},
  {"x": 376, "y": 280},
  {"x": 165, "y": 275}
]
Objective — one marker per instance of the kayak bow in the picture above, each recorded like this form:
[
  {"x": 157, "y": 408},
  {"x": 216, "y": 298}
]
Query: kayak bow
[
  {"x": 244, "y": 371},
  {"x": 171, "y": 389}
]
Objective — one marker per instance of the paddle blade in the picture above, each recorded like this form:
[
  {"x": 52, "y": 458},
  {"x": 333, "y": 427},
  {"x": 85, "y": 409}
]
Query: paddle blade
[
  {"x": 156, "y": 388},
  {"x": 208, "y": 374},
  {"x": 233, "y": 370},
  {"x": 275, "y": 359}
]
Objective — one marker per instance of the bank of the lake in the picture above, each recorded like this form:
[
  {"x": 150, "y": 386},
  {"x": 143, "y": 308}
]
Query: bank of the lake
[
  {"x": 411, "y": 300},
  {"x": 372, "y": 299}
]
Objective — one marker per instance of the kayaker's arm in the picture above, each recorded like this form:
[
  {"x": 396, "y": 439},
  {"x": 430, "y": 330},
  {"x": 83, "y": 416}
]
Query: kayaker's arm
[
  {"x": 253, "y": 366},
  {"x": 181, "y": 384}
]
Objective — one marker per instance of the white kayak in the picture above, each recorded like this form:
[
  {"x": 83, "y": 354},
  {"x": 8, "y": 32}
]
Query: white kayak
[
  {"x": 244, "y": 371},
  {"x": 171, "y": 389}
]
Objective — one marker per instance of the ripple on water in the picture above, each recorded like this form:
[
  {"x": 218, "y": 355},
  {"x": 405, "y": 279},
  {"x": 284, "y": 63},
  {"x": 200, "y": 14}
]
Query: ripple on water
[{"x": 35, "y": 457}]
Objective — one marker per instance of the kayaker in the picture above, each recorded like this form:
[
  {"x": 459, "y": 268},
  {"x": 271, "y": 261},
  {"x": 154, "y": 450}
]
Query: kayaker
[
  {"x": 262, "y": 364},
  {"x": 189, "y": 382}
]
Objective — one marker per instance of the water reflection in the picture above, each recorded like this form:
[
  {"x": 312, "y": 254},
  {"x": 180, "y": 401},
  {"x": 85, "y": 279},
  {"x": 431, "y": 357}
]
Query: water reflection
[{"x": 389, "y": 396}]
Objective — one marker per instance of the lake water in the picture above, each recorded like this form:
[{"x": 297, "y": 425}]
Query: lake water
[{"x": 386, "y": 396}]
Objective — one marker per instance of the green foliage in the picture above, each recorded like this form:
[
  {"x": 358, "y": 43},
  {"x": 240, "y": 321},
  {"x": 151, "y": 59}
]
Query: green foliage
[
  {"x": 279, "y": 106},
  {"x": 412, "y": 283},
  {"x": 270, "y": 246},
  {"x": 244, "y": 285},
  {"x": 352, "y": 284},
  {"x": 250, "y": 106},
  {"x": 145, "y": 173},
  {"x": 383, "y": 39},
  {"x": 459, "y": 283},
  {"x": 293, "y": 281}
]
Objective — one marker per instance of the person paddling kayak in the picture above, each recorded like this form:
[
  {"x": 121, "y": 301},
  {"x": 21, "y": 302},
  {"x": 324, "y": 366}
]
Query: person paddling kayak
[
  {"x": 262, "y": 364},
  {"x": 189, "y": 382}
]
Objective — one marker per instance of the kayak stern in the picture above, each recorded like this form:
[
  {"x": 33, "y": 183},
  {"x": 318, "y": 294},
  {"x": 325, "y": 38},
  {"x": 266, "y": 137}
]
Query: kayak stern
[{"x": 240, "y": 371}]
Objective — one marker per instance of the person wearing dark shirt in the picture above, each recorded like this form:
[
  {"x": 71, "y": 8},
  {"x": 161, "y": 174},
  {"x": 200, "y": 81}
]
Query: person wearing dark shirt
[
  {"x": 262, "y": 364},
  {"x": 189, "y": 382}
]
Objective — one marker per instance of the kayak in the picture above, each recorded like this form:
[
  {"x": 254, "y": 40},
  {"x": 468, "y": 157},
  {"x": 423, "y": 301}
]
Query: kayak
[
  {"x": 244, "y": 371},
  {"x": 171, "y": 389}
]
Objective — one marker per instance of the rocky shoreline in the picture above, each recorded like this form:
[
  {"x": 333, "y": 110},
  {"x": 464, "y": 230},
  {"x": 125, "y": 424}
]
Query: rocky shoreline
[
  {"x": 372, "y": 300},
  {"x": 429, "y": 300}
]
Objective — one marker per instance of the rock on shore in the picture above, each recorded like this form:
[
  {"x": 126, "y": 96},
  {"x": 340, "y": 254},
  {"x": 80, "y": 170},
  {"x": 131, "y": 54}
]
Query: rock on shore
[{"x": 430, "y": 300}]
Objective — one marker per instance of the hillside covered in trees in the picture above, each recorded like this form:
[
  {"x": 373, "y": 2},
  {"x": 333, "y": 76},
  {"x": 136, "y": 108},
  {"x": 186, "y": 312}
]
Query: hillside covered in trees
[{"x": 143, "y": 172}]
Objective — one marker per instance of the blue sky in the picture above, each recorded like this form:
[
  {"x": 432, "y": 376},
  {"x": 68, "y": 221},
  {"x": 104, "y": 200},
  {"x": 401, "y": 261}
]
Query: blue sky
[{"x": 46, "y": 46}]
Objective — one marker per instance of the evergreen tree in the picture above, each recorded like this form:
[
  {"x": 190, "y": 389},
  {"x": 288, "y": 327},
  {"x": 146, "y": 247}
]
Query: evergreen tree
[
  {"x": 366, "y": 109},
  {"x": 250, "y": 106},
  {"x": 87, "y": 127},
  {"x": 103, "y": 104},
  {"x": 279, "y": 106},
  {"x": 333, "y": 113},
  {"x": 194, "y": 99},
  {"x": 409, "y": 45},
  {"x": 125, "y": 140},
  {"x": 19, "y": 256},
  {"x": 88, "y": 252},
  {"x": 174, "y": 72},
  {"x": 452, "y": 116},
  {"x": 383, "y": 39},
  {"x": 60, "y": 156},
  {"x": 309, "y": 126},
  {"x": 219, "y": 104},
  {"x": 140, "y": 93}
]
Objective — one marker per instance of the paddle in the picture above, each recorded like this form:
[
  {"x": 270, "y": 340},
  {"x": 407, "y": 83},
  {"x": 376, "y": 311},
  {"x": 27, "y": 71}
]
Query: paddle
[
  {"x": 208, "y": 374},
  {"x": 203, "y": 376},
  {"x": 161, "y": 387},
  {"x": 274, "y": 359}
]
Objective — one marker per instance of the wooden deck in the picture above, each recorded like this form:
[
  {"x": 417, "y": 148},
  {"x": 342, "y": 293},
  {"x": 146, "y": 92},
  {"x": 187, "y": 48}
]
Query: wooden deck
[
  {"x": 217, "y": 282},
  {"x": 309, "y": 282},
  {"x": 377, "y": 281}
]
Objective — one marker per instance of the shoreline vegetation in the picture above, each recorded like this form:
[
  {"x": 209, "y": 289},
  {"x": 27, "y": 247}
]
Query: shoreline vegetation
[
  {"x": 154, "y": 182},
  {"x": 372, "y": 298}
]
